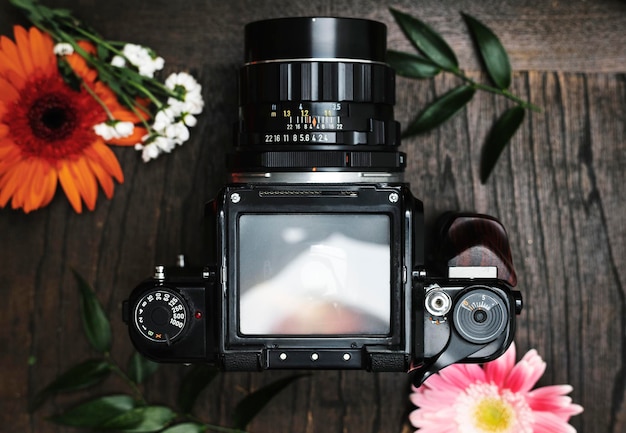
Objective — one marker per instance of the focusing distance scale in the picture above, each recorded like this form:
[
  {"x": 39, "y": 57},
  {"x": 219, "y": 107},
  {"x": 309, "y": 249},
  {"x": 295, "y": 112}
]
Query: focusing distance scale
[{"x": 316, "y": 245}]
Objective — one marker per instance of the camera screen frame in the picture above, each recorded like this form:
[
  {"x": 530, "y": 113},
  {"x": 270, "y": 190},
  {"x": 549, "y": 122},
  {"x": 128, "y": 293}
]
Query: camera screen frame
[
  {"x": 314, "y": 274},
  {"x": 350, "y": 200}
]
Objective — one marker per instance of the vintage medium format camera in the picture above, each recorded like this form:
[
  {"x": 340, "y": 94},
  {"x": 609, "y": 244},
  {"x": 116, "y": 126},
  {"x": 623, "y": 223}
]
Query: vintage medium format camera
[{"x": 318, "y": 244}]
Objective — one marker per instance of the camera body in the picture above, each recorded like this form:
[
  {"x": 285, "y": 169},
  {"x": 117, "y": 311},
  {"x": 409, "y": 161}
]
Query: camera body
[
  {"x": 318, "y": 258},
  {"x": 331, "y": 277}
]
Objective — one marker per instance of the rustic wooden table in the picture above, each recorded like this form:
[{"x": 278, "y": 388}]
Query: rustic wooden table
[{"x": 558, "y": 189}]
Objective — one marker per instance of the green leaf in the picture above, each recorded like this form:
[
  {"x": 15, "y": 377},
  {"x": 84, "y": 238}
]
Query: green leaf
[
  {"x": 103, "y": 53},
  {"x": 441, "y": 109},
  {"x": 23, "y": 4},
  {"x": 62, "y": 13},
  {"x": 253, "y": 403},
  {"x": 95, "y": 412},
  {"x": 194, "y": 382},
  {"x": 426, "y": 40},
  {"x": 500, "y": 134},
  {"x": 188, "y": 427},
  {"x": 140, "y": 368},
  {"x": 68, "y": 74},
  {"x": 83, "y": 375},
  {"x": 95, "y": 322},
  {"x": 491, "y": 51},
  {"x": 412, "y": 66},
  {"x": 141, "y": 419}
]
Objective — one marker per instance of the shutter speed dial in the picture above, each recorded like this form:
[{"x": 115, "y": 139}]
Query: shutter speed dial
[{"x": 161, "y": 315}]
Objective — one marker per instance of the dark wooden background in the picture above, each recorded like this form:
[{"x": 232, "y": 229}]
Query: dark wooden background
[{"x": 558, "y": 189}]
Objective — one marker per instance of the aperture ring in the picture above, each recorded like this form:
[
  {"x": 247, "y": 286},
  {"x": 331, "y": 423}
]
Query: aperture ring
[{"x": 376, "y": 136}]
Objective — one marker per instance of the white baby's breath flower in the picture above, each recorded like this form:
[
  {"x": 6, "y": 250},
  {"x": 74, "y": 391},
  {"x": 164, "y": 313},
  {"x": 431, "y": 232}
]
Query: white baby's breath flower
[
  {"x": 144, "y": 59},
  {"x": 177, "y": 132},
  {"x": 194, "y": 103},
  {"x": 124, "y": 129},
  {"x": 183, "y": 79},
  {"x": 189, "y": 120},
  {"x": 135, "y": 53},
  {"x": 104, "y": 131},
  {"x": 191, "y": 103},
  {"x": 148, "y": 68},
  {"x": 148, "y": 152},
  {"x": 189, "y": 93},
  {"x": 114, "y": 129},
  {"x": 63, "y": 49},
  {"x": 118, "y": 61},
  {"x": 165, "y": 144},
  {"x": 164, "y": 118}
]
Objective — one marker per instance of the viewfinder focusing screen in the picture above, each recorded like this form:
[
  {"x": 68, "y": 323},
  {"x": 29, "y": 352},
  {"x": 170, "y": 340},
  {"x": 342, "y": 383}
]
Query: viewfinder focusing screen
[{"x": 314, "y": 274}]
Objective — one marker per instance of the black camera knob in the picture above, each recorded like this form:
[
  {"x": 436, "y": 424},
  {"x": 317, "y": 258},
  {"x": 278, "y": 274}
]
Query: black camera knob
[{"x": 161, "y": 315}]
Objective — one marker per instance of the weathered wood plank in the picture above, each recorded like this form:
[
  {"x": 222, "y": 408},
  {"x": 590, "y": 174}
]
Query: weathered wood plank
[
  {"x": 573, "y": 36},
  {"x": 558, "y": 190}
]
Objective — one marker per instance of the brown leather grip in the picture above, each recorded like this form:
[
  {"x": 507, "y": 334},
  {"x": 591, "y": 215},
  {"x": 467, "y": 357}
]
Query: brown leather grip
[{"x": 467, "y": 239}]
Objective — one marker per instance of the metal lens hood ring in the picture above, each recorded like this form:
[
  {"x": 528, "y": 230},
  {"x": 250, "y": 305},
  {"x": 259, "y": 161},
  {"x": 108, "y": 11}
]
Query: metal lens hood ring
[
  {"x": 315, "y": 38},
  {"x": 316, "y": 97}
]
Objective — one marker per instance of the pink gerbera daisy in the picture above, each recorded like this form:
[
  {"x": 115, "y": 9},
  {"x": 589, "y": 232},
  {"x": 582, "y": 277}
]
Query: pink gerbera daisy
[{"x": 496, "y": 398}]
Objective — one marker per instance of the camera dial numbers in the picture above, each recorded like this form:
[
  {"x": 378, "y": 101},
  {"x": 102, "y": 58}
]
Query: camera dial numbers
[
  {"x": 302, "y": 137},
  {"x": 161, "y": 315},
  {"x": 480, "y": 315},
  {"x": 309, "y": 117}
]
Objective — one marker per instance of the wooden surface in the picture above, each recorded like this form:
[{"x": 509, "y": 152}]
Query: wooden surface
[{"x": 558, "y": 189}]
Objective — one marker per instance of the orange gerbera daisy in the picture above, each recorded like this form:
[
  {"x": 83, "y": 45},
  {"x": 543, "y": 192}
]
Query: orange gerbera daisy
[{"x": 46, "y": 127}]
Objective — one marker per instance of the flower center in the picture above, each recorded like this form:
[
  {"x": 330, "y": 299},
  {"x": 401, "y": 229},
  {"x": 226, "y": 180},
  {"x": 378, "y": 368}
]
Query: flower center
[
  {"x": 485, "y": 408},
  {"x": 493, "y": 415},
  {"x": 52, "y": 117},
  {"x": 49, "y": 120}
]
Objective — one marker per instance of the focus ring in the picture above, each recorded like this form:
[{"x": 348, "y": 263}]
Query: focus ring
[{"x": 317, "y": 81}]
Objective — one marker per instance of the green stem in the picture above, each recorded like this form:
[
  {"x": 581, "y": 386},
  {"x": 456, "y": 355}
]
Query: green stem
[
  {"x": 97, "y": 98},
  {"x": 104, "y": 70},
  {"x": 524, "y": 104},
  {"x": 120, "y": 373},
  {"x": 144, "y": 91},
  {"x": 139, "y": 397},
  {"x": 212, "y": 427},
  {"x": 127, "y": 101},
  {"x": 97, "y": 40},
  {"x": 491, "y": 89},
  {"x": 221, "y": 429}
]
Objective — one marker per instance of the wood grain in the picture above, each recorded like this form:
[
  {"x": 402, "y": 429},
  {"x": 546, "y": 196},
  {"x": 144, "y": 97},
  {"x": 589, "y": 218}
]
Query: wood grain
[
  {"x": 558, "y": 189},
  {"x": 574, "y": 36}
]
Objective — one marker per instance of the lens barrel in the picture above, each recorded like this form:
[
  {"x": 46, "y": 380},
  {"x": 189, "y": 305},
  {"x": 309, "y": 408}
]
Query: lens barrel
[{"x": 315, "y": 96}]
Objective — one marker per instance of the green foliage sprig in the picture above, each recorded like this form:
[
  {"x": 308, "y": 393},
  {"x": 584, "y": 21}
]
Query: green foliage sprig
[
  {"x": 131, "y": 411},
  {"x": 435, "y": 56}
]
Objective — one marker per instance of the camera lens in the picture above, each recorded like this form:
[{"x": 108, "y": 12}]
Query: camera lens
[
  {"x": 316, "y": 102},
  {"x": 480, "y": 315}
]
